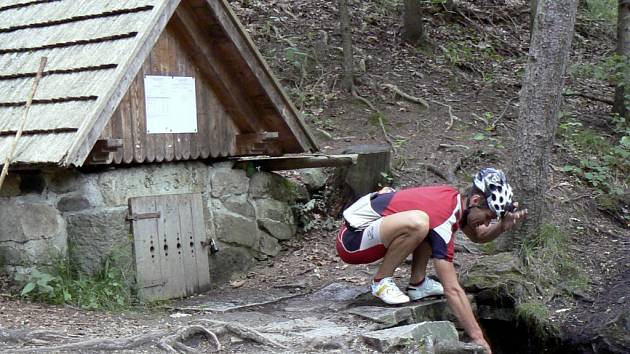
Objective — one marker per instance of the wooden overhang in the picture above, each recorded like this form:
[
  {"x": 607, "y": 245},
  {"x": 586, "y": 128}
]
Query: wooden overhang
[{"x": 280, "y": 163}]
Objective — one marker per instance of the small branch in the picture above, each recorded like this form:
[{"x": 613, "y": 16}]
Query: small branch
[
  {"x": 453, "y": 146},
  {"x": 450, "y": 114},
  {"x": 436, "y": 170},
  {"x": 380, "y": 117},
  {"x": 507, "y": 105},
  {"x": 286, "y": 11},
  {"x": 234, "y": 308},
  {"x": 408, "y": 97},
  {"x": 587, "y": 96},
  {"x": 588, "y": 195}
]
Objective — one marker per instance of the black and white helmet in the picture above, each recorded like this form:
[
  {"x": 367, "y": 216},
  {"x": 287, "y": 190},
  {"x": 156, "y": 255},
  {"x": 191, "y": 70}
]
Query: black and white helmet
[{"x": 494, "y": 185}]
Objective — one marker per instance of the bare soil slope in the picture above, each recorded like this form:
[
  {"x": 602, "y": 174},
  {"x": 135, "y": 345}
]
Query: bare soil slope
[{"x": 470, "y": 76}]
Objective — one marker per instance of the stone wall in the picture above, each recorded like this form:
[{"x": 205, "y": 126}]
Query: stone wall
[{"x": 83, "y": 214}]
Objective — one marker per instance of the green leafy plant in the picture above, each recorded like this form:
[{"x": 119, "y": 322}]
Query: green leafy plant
[
  {"x": 602, "y": 161},
  {"x": 601, "y": 10},
  {"x": 63, "y": 283},
  {"x": 304, "y": 214}
]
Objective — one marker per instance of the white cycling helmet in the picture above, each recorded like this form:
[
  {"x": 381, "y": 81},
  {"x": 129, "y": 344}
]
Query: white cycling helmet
[{"x": 493, "y": 184}]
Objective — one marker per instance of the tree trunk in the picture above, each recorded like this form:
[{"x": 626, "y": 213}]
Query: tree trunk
[
  {"x": 540, "y": 100},
  {"x": 346, "y": 38},
  {"x": 532, "y": 17},
  {"x": 413, "y": 31},
  {"x": 623, "y": 49}
]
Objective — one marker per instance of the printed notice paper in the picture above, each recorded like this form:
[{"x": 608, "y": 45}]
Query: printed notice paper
[{"x": 171, "y": 104}]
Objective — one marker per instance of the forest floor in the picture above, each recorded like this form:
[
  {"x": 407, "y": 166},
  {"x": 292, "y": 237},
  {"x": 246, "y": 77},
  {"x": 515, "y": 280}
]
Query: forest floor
[{"x": 470, "y": 75}]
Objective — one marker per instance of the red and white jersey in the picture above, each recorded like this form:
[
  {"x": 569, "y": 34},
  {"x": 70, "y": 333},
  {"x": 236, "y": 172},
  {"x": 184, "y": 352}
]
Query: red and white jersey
[{"x": 441, "y": 203}]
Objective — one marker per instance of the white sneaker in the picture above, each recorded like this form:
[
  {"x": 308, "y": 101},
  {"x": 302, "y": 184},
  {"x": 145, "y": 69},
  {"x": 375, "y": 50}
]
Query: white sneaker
[
  {"x": 387, "y": 291},
  {"x": 428, "y": 288}
]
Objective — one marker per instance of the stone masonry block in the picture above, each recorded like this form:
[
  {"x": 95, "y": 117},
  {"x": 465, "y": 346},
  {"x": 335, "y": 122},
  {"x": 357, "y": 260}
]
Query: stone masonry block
[
  {"x": 233, "y": 228},
  {"x": 94, "y": 234},
  {"x": 31, "y": 233},
  {"x": 118, "y": 185},
  {"x": 276, "y": 218},
  {"x": 271, "y": 185},
  {"x": 227, "y": 183}
]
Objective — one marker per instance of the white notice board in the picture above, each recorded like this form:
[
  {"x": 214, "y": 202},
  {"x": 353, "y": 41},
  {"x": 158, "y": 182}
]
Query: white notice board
[{"x": 171, "y": 104}]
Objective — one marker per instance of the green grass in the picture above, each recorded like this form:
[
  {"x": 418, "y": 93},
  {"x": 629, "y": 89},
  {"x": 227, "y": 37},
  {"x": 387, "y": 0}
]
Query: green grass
[
  {"x": 536, "y": 316},
  {"x": 601, "y": 10},
  {"x": 549, "y": 262}
]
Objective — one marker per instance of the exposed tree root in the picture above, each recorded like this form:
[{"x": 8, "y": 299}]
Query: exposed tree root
[
  {"x": 168, "y": 340},
  {"x": 243, "y": 332},
  {"x": 175, "y": 343},
  {"x": 408, "y": 97},
  {"x": 38, "y": 337},
  {"x": 364, "y": 100},
  {"x": 98, "y": 344}
]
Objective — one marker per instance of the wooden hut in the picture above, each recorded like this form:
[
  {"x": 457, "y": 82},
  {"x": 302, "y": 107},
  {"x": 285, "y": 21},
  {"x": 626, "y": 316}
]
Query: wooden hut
[{"x": 137, "y": 81}]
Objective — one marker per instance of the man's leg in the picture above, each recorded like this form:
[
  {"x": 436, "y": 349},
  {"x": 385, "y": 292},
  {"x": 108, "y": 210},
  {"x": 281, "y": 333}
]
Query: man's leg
[
  {"x": 401, "y": 234},
  {"x": 419, "y": 262}
]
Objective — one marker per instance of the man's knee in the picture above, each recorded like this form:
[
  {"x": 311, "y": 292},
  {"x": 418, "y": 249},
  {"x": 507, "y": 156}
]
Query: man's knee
[{"x": 417, "y": 224}]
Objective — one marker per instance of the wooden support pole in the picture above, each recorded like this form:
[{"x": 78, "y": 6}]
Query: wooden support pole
[{"x": 18, "y": 134}]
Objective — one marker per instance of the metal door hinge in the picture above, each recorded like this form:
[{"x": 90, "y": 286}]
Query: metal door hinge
[{"x": 142, "y": 216}]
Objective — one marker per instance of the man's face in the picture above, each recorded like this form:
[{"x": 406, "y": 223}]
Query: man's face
[{"x": 480, "y": 216}]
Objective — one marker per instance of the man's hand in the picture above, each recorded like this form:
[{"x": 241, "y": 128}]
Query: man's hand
[
  {"x": 512, "y": 218},
  {"x": 482, "y": 342},
  {"x": 386, "y": 190}
]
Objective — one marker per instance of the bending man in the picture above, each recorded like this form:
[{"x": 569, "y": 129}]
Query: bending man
[{"x": 422, "y": 221}]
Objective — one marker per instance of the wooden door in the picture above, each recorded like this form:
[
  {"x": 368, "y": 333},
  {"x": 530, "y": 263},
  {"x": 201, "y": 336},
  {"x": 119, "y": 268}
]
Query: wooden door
[{"x": 169, "y": 245}]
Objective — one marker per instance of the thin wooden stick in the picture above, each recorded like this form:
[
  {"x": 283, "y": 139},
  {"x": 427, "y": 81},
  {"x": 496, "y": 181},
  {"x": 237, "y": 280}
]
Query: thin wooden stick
[{"x": 7, "y": 161}]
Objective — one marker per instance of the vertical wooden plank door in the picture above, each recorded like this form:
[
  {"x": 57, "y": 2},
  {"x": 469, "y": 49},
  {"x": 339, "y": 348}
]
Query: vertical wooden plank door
[{"x": 169, "y": 245}]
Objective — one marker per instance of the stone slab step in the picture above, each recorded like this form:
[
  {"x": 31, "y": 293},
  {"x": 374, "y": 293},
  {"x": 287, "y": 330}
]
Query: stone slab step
[
  {"x": 415, "y": 312},
  {"x": 389, "y": 339}
]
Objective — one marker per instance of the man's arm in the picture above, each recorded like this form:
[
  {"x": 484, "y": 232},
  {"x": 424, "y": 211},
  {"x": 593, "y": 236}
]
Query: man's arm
[
  {"x": 458, "y": 301},
  {"x": 483, "y": 233}
]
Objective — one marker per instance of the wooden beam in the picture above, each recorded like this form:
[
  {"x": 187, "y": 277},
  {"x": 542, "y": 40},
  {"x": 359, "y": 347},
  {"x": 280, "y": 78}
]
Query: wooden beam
[
  {"x": 244, "y": 139},
  {"x": 103, "y": 150},
  {"x": 228, "y": 92},
  {"x": 265, "y": 143},
  {"x": 297, "y": 162}
]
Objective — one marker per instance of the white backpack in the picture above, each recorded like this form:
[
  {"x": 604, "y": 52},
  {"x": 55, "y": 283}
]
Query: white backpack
[{"x": 360, "y": 214}]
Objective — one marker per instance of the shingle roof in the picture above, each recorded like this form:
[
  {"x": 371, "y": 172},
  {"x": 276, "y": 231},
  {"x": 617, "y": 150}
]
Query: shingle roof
[{"x": 90, "y": 45}]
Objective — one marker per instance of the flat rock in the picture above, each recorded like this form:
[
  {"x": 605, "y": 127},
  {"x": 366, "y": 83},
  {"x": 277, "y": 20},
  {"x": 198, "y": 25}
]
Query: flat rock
[
  {"x": 386, "y": 316},
  {"x": 389, "y": 339},
  {"x": 459, "y": 348}
]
